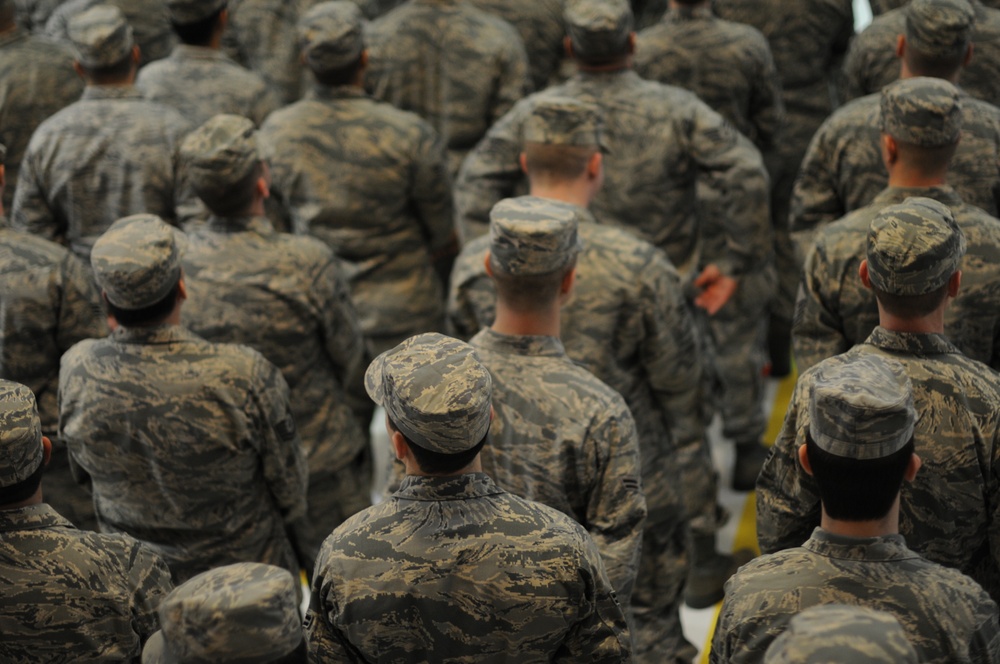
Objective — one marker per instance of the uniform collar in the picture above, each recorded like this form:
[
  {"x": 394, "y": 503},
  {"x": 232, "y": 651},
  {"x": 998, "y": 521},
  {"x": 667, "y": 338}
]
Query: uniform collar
[
  {"x": 459, "y": 487},
  {"x": 679, "y": 14},
  {"x": 941, "y": 193},
  {"x": 886, "y": 548},
  {"x": 911, "y": 343},
  {"x": 157, "y": 334},
  {"x": 519, "y": 344},
  {"x": 111, "y": 92},
  {"x": 32, "y": 517},
  {"x": 261, "y": 225},
  {"x": 328, "y": 93},
  {"x": 189, "y": 51}
]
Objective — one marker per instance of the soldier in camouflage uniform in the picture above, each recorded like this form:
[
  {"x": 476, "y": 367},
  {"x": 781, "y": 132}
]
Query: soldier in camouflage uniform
[
  {"x": 261, "y": 37},
  {"x": 871, "y": 62},
  {"x": 32, "y": 14},
  {"x": 106, "y": 156},
  {"x": 921, "y": 124},
  {"x": 48, "y": 302},
  {"x": 914, "y": 250},
  {"x": 850, "y": 633},
  {"x": 148, "y": 18},
  {"x": 540, "y": 24},
  {"x": 36, "y": 80},
  {"x": 561, "y": 436},
  {"x": 859, "y": 452},
  {"x": 69, "y": 595},
  {"x": 198, "y": 79},
  {"x": 883, "y": 6},
  {"x": 188, "y": 446},
  {"x": 245, "y": 612},
  {"x": 452, "y": 565},
  {"x": 285, "y": 296},
  {"x": 843, "y": 170},
  {"x": 368, "y": 179},
  {"x": 628, "y": 323},
  {"x": 673, "y": 162},
  {"x": 457, "y": 67}
]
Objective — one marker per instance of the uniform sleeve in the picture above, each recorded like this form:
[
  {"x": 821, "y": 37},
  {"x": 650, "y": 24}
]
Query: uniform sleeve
[
  {"x": 149, "y": 582},
  {"x": 269, "y": 46},
  {"x": 985, "y": 641},
  {"x": 282, "y": 461},
  {"x": 80, "y": 316},
  {"x": 264, "y": 103},
  {"x": 514, "y": 82},
  {"x": 816, "y": 199},
  {"x": 817, "y": 330},
  {"x": 431, "y": 190},
  {"x": 339, "y": 319},
  {"x": 616, "y": 511},
  {"x": 767, "y": 110},
  {"x": 856, "y": 65},
  {"x": 788, "y": 506},
  {"x": 31, "y": 212},
  {"x": 471, "y": 298},
  {"x": 326, "y": 642}
]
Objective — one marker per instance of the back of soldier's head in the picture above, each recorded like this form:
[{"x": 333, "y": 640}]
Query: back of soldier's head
[
  {"x": 104, "y": 42},
  {"x": 246, "y": 613},
  {"x": 924, "y": 117},
  {"x": 938, "y": 35},
  {"x": 839, "y": 634},
  {"x": 331, "y": 37},
  {"x": 599, "y": 30},
  {"x": 860, "y": 437},
  {"x": 561, "y": 135},
  {"x": 223, "y": 162},
  {"x": 21, "y": 449},
  {"x": 912, "y": 250},
  {"x": 195, "y": 21}
]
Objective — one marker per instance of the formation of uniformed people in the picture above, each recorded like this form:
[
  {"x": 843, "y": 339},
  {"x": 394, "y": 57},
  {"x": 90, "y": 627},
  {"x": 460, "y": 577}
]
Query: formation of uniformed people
[{"x": 240, "y": 229}]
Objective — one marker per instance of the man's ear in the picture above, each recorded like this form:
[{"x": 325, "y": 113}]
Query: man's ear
[
  {"x": 804, "y": 460},
  {"x": 863, "y": 274},
  {"x": 523, "y": 161},
  {"x": 486, "y": 263}
]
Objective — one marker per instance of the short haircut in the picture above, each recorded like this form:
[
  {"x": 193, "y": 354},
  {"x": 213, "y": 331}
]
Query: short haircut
[
  {"x": 341, "y": 75},
  {"x": 557, "y": 162},
  {"x": 438, "y": 463},
  {"x": 154, "y": 314},
  {"x": 237, "y": 198},
  {"x": 198, "y": 33},
  {"x": 909, "y": 307},
  {"x": 934, "y": 66},
  {"x": 21, "y": 491},
  {"x": 528, "y": 293},
  {"x": 858, "y": 490},
  {"x": 298, "y": 656},
  {"x": 111, "y": 73},
  {"x": 926, "y": 160}
]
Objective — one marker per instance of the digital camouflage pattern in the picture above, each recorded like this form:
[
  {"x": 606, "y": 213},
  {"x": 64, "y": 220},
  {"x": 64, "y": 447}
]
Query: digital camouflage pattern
[
  {"x": 70, "y": 190},
  {"x": 149, "y": 19},
  {"x": 565, "y": 121},
  {"x": 540, "y": 24},
  {"x": 219, "y": 156},
  {"x": 728, "y": 65},
  {"x": 246, "y": 612},
  {"x": 947, "y": 616},
  {"x": 20, "y": 434},
  {"x": 921, "y": 111},
  {"x": 286, "y": 297},
  {"x": 371, "y": 182},
  {"x": 137, "y": 262},
  {"x": 882, "y": 6},
  {"x": 101, "y": 36},
  {"x": 331, "y": 36},
  {"x": 32, "y": 14},
  {"x": 436, "y": 390},
  {"x": 491, "y": 569},
  {"x": 222, "y": 475},
  {"x": 828, "y": 632},
  {"x": 185, "y": 12},
  {"x": 835, "y": 311},
  {"x": 457, "y": 67},
  {"x": 628, "y": 324},
  {"x": 74, "y": 595},
  {"x": 261, "y": 36},
  {"x": 843, "y": 170},
  {"x": 565, "y": 439},
  {"x": 872, "y": 64},
  {"x": 201, "y": 82},
  {"x": 531, "y": 236},
  {"x": 939, "y": 28},
  {"x": 36, "y": 80},
  {"x": 598, "y": 29},
  {"x": 947, "y": 513}
]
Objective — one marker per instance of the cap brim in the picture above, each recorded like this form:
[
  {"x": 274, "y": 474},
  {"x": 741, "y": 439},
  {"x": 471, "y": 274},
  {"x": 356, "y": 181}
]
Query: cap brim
[
  {"x": 374, "y": 383},
  {"x": 154, "y": 652}
]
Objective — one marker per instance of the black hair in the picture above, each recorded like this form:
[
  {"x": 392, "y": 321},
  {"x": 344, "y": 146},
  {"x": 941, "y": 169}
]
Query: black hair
[
  {"x": 345, "y": 75},
  {"x": 22, "y": 490},
  {"x": 153, "y": 314},
  {"x": 911, "y": 306},
  {"x": 198, "y": 33},
  {"x": 528, "y": 293},
  {"x": 438, "y": 463}
]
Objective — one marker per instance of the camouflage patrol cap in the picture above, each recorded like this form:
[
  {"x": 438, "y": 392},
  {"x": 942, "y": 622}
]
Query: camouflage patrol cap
[
  {"x": 137, "y": 261},
  {"x": 330, "y": 35},
  {"x": 101, "y": 35},
  {"x": 435, "y": 389},
  {"x": 939, "y": 27},
  {"x": 21, "y": 450},
  {"x": 598, "y": 29},
  {"x": 565, "y": 121},
  {"x": 839, "y": 633},
  {"x": 922, "y": 111},
  {"x": 861, "y": 409},
  {"x": 220, "y": 154},
  {"x": 246, "y": 613},
  {"x": 185, "y": 12},
  {"x": 914, "y": 247},
  {"x": 532, "y": 236}
]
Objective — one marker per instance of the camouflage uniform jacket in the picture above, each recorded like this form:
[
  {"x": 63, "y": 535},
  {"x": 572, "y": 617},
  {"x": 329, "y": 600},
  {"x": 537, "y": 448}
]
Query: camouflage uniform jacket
[
  {"x": 540, "y": 24},
  {"x": 371, "y": 182},
  {"x": 107, "y": 156},
  {"x": 452, "y": 64},
  {"x": 664, "y": 142},
  {"x": 261, "y": 36},
  {"x": 150, "y": 20},
  {"x": 48, "y": 302},
  {"x": 728, "y": 65},
  {"x": 203, "y": 82},
  {"x": 872, "y": 63},
  {"x": 32, "y": 14},
  {"x": 882, "y": 6},
  {"x": 629, "y": 325},
  {"x": 457, "y": 567},
  {"x": 948, "y": 617},
  {"x": 72, "y": 595},
  {"x": 567, "y": 440},
  {"x": 951, "y": 512},
  {"x": 189, "y": 446},
  {"x": 843, "y": 170},
  {"x": 286, "y": 297},
  {"x": 835, "y": 311},
  {"x": 36, "y": 80}
]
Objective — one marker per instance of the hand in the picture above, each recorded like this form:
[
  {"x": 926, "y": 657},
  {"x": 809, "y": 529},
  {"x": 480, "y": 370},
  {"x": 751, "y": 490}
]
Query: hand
[{"x": 716, "y": 289}]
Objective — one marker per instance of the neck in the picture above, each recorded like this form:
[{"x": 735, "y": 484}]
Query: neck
[
  {"x": 516, "y": 323},
  {"x": 901, "y": 176},
  {"x": 568, "y": 191},
  {"x": 906, "y": 72},
  {"x": 673, "y": 4},
  {"x": 34, "y": 499},
  {"x": 888, "y": 525},
  {"x": 412, "y": 468},
  {"x": 932, "y": 323},
  {"x": 618, "y": 65}
]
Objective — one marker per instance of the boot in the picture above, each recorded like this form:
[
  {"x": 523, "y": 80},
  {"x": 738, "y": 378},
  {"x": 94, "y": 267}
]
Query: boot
[
  {"x": 750, "y": 456},
  {"x": 710, "y": 570}
]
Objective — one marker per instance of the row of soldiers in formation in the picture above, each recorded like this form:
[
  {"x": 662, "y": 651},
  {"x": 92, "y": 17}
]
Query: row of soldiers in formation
[{"x": 374, "y": 184}]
